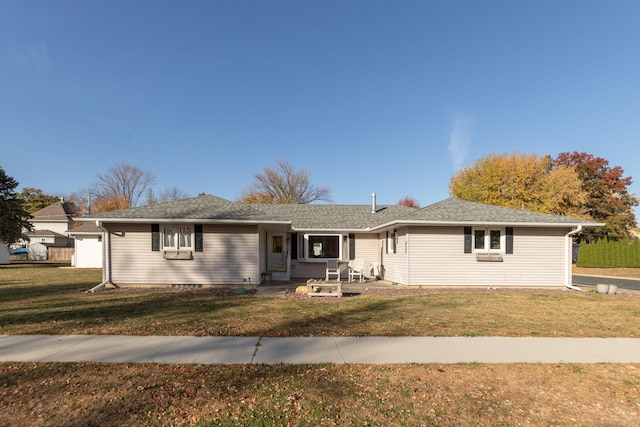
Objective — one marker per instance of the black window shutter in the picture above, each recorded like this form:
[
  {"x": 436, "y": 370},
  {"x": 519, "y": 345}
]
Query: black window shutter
[
  {"x": 467, "y": 240},
  {"x": 155, "y": 237},
  {"x": 386, "y": 243},
  {"x": 197, "y": 228},
  {"x": 352, "y": 246},
  {"x": 294, "y": 245},
  {"x": 509, "y": 233}
]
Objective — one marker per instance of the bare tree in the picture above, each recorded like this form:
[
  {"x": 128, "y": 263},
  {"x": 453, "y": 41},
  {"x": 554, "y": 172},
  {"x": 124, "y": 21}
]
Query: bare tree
[
  {"x": 284, "y": 185},
  {"x": 124, "y": 182},
  {"x": 169, "y": 194}
]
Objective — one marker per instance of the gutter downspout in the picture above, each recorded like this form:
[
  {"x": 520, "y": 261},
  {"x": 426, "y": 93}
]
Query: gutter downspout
[
  {"x": 569, "y": 254},
  {"x": 106, "y": 262}
]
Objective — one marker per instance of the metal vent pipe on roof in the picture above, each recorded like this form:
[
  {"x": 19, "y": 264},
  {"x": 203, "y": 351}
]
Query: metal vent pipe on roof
[{"x": 373, "y": 203}]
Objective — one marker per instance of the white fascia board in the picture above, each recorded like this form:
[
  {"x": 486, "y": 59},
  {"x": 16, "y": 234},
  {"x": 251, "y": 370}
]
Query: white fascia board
[
  {"x": 176, "y": 220},
  {"x": 330, "y": 230},
  {"x": 485, "y": 223}
]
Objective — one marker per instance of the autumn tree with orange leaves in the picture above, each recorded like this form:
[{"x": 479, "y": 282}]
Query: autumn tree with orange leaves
[
  {"x": 608, "y": 199},
  {"x": 108, "y": 204},
  {"x": 522, "y": 181}
]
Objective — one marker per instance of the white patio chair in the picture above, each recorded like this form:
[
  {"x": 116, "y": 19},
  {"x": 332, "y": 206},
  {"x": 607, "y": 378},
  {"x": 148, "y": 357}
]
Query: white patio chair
[
  {"x": 333, "y": 269},
  {"x": 356, "y": 269}
]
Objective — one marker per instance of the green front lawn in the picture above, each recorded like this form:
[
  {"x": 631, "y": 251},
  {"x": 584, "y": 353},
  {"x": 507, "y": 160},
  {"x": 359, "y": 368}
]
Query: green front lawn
[{"x": 45, "y": 299}]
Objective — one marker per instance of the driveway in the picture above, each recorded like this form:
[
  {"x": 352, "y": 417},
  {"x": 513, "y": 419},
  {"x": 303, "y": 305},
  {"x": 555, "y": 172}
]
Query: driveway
[{"x": 621, "y": 283}]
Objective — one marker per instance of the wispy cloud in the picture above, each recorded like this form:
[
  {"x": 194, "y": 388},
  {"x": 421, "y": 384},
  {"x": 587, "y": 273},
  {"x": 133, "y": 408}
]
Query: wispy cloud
[
  {"x": 20, "y": 59},
  {"x": 460, "y": 139},
  {"x": 35, "y": 57}
]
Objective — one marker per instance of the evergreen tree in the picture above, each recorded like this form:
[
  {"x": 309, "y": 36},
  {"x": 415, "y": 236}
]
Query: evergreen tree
[{"x": 14, "y": 219}]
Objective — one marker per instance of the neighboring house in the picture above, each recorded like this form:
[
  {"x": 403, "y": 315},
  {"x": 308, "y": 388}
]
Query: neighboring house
[
  {"x": 87, "y": 240},
  {"x": 207, "y": 240},
  {"x": 48, "y": 238},
  {"x": 50, "y": 225}
]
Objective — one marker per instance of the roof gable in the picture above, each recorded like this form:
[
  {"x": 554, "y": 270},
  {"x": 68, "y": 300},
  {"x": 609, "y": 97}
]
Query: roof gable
[{"x": 54, "y": 212}]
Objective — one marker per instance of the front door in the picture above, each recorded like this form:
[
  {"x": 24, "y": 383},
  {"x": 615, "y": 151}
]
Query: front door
[{"x": 277, "y": 252}]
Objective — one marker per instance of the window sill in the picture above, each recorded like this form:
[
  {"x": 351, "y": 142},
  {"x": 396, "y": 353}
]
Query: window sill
[
  {"x": 488, "y": 257},
  {"x": 177, "y": 255}
]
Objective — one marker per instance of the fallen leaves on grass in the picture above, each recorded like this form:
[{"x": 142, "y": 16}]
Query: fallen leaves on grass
[{"x": 460, "y": 395}]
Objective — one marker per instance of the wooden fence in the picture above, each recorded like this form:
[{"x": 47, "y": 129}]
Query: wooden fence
[{"x": 60, "y": 254}]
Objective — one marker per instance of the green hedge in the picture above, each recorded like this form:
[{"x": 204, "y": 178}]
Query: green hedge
[{"x": 608, "y": 253}]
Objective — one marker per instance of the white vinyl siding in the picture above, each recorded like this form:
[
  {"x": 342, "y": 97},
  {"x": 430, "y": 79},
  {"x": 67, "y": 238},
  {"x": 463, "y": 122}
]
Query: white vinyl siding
[
  {"x": 308, "y": 270},
  {"x": 367, "y": 248},
  {"x": 437, "y": 258},
  {"x": 396, "y": 264},
  {"x": 229, "y": 255},
  {"x": 60, "y": 227},
  {"x": 429, "y": 256}
]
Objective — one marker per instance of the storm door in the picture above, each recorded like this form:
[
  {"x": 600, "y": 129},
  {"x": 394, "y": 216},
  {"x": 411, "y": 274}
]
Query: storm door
[{"x": 277, "y": 252}]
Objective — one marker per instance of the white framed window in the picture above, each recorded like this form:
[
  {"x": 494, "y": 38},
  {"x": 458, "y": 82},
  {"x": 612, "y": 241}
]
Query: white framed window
[
  {"x": 320, "y": 246},
  {"x": 392, "y": 242},
  {"x": 177, "y": 237},
  {"x": 488, "y": 240}
]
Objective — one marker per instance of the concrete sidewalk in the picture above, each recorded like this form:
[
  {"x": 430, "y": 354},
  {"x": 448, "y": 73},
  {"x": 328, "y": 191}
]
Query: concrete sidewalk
[{"x": 339, "y": 350}]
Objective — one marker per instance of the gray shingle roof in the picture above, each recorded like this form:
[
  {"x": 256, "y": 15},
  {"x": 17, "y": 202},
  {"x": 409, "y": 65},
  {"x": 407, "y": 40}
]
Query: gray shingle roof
[
  {"x": 343, "y": 217},
  {"x": 86, "y": 228},
  {"x": 43, "y": 233},
  {"x": 204, "y": 207},
  {"x": 461, "y": 211},
  {"x": 54, "y": 212},
  {"x": 333, "y": 217}
]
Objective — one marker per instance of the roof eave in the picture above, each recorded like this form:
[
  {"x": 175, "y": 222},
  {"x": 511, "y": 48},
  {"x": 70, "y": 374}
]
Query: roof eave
[
  {"x": 486, "y": 223},
  {"x": 177, "y": 220},
  {"x": 324, "y": 230}
]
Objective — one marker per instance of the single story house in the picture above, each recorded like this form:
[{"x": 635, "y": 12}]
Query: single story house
[{"x": 207, "y": 240}]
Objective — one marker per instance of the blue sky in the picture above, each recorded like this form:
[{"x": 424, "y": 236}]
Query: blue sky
[{"x": 368, "y": 96}]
